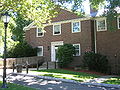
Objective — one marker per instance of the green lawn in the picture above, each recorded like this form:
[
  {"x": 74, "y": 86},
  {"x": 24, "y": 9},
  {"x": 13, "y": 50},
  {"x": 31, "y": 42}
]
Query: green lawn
[
  {"x": 66, "y": 74},
  {"x": 113, "y": 81},
  {"x": 15, "y": 87}
]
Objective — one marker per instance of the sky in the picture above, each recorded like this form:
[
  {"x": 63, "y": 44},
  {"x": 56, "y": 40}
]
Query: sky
[{"x": 86, "y": 8}]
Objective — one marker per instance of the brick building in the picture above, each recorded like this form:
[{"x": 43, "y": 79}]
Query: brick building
[{"x": 84, "y": 33}]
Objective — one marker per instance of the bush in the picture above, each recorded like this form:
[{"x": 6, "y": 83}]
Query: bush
[
  {"x": 22, "y": 49},
  {"x": 95, "y": 61},
  {"x": 65, "y": 55}
]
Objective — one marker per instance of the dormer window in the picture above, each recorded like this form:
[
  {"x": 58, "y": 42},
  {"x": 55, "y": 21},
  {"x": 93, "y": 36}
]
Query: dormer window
[
  {"x": 101, "y": 24},
  {"x": 40, "y": 33},
  {"x": 57, "y": 29},
  {"x": 76, "y": 27}
]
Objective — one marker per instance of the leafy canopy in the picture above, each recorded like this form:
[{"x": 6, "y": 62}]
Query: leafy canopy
[
  {"x": 38, "y": 11},
  {"x": 17, "y": 27},
  {"x": 41, "y": 11}
]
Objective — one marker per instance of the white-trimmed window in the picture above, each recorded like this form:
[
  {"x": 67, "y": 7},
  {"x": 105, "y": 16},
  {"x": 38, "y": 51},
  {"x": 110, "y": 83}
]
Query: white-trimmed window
[
  {"x": 76, "y": 27},
  {"x": 101, "y": 24},
  {"x": 118, "y": 22},
  {"x": 39, "y": 32},
  {"x": 57, "y": 29},
  {"x": 77, "y": 49},
  {"x": 40, "y": 51}
]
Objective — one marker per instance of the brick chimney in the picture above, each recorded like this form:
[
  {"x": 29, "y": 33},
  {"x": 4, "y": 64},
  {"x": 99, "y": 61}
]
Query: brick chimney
[{"x": 93, "y": 11}]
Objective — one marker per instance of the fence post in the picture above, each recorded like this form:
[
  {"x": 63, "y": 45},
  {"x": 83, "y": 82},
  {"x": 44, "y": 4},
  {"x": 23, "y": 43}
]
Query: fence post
[
  {"x": 27, "y": 67},
  {"x": 37, "y": 65},
  {"x": 47, "y": 64},
  {"x": 55, "y": 64},
  {"x": 13, "y": 66}
]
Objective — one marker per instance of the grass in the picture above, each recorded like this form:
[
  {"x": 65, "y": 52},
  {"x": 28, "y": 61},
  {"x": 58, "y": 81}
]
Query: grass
[
  {"x": 113, "y": 81},
  {"x": 15, "y": 87},
  {"x": 66, "y": 74}
]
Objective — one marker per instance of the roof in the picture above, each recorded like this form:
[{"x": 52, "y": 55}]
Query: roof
[{"x": 63, "y": 16}]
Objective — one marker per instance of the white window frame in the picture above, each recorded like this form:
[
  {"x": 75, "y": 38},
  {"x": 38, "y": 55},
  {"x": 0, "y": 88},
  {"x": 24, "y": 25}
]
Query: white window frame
[
  {"x": 54, "y": 29},
  {"x": 100, "y": 19},
  {"x": 79, "y": 49},
  {"x": 38, "y": 32},
  {"x": 118, "y": 22},
  {"x": 42, "y": 50},
  {"x": 79, "y": 26}
]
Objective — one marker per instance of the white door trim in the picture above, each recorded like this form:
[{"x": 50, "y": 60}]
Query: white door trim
[{"x": 53, "y": 44}]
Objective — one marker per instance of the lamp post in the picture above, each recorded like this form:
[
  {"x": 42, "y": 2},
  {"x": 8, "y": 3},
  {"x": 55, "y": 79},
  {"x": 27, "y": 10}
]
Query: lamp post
[{"x": 6, "y": 19}]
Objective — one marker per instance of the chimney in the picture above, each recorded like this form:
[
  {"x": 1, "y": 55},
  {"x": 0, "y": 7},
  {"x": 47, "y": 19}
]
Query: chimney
[{"x": 93, "y": 11}]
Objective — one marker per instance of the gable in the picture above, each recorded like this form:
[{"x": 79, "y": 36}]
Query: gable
[{"x": 64, "y": 15}]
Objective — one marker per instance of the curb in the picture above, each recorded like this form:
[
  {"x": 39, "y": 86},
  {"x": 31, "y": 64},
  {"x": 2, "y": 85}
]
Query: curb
[{"x": 69, "y": 81}]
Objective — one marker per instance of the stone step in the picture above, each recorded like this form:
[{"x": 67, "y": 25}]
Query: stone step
[{"x": 51, "y": 65}]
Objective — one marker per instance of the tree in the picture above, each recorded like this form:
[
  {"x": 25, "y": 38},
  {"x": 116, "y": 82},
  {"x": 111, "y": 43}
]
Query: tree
[
  {"x": 17, "y": 27},
  {"x": 65, "y": 54},
  {"x": 38, "y": 11},
  {"x": 41, "y": 11}
]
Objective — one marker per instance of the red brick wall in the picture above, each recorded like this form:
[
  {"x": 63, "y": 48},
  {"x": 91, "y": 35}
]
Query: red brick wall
[
  {"x": 108, "y": 43},
  {"x": 83, "y": 37}
]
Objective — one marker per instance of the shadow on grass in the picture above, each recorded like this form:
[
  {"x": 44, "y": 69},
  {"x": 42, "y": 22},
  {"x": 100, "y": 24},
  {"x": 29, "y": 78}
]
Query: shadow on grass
[{"x": 66, "y": 74}]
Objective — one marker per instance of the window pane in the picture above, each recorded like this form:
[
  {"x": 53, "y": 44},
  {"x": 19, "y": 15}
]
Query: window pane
[
  {"x": 39, "y": 51},
  {"x": 101, "y": 25},
  {"x": 76, "y": 27},
  {"x": 39, "y": 32},
  {"x": 77, "y": 50},
  {"x": 119, "y": 23},
  {"x": 56, "y": 29},
  {"x": 76, "y": 46}
]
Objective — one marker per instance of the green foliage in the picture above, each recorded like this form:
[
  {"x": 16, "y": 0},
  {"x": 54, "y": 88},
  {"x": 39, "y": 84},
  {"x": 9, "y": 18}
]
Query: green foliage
[
  {"x": 38, "y": 11},
  {"x": 17, "y": 28},
  {"x": 65, "y": 54},
  {"x": 41, "y": 11},
  {"x": 22, "y": 49},
  {"x": 95, "y": 61}
]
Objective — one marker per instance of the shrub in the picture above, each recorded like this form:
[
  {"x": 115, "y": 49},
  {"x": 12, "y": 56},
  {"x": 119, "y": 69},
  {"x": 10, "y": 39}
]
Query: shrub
[
  {"x": 65, "y": 55},
  {"x": 22, "y": 49},
  {"x": 95, "y": 61}
]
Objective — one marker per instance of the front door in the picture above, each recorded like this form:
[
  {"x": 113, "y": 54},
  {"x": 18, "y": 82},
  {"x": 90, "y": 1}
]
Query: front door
[{"x": 54, "y": 48}]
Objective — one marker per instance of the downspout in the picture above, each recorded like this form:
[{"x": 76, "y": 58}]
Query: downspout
[{"x": 95, "y": 36}]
